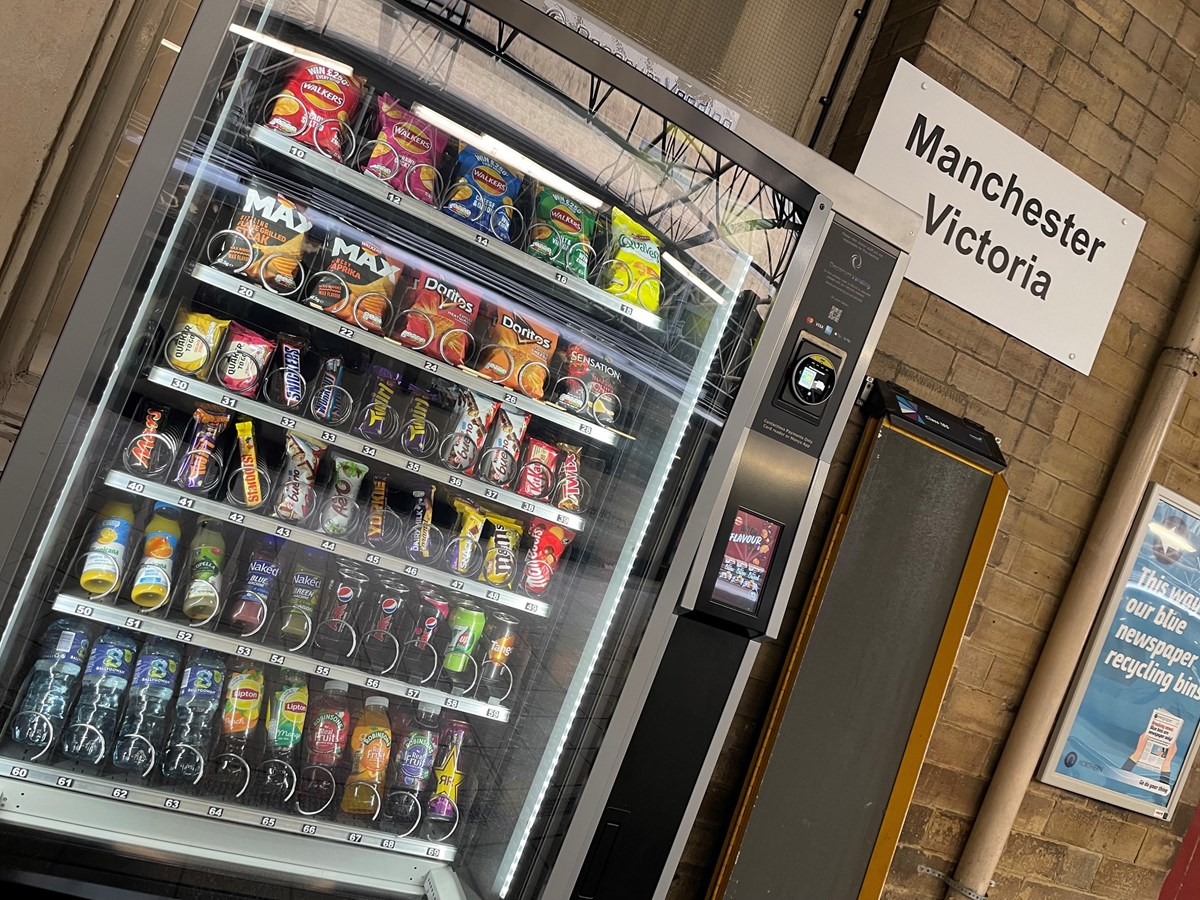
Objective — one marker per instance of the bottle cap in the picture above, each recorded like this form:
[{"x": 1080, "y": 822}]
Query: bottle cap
[
  {"x": 381, "y": 702},
  {"x": 339, "y": 686}
]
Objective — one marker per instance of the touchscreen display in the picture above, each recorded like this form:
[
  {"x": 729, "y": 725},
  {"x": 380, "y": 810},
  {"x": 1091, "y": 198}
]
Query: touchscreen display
[{"x": 743, "y": 572}]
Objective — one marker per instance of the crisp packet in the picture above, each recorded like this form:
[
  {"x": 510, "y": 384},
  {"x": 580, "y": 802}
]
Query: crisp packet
[
  {"x": 264, "y": 240},
  {"x": 482, "y": 193},
  {"x": 407, "y": 151},
  {"x": 500, "y": 555},
  {"x": 517, "y": 352},
  {"x": 192, "y": 346},
  {"x": 316, "y": 106},
  {"x": 196, "y": 468},
  {"x": 297, "y": 492},
  {"x": 337, "y": 516},
  {"x": 354, "y": 280},
  {"x": 634, "y": 270},
  {"x": 589, "y": 383},
  {"x": 437, "y": 318},
  {"x": 461, "y": 447},
  {"x": 244, "y": 360},
  {"x": 550, "y": 542},
  {"x": 498, "y": 464},
  {"x": 561, "y": 232}
]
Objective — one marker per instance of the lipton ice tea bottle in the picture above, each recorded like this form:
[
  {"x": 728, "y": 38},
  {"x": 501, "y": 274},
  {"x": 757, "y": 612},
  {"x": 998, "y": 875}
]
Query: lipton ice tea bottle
[
  {"x": 107, "y": 545},
  {"x": 152, "y": 580},
  {"x": 370, "y": 748}
]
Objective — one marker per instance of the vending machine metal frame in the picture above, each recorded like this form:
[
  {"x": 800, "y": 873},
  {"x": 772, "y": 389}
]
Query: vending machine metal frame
[{"x": 838, "y": 201}]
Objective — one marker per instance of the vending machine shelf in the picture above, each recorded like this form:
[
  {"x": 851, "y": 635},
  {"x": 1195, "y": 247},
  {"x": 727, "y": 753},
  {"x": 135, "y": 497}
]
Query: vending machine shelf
[
  {"x": 263, "y": 412},
  {"x": 323, "y": 170},
  {"x": 459, "y": 375},
  {"x": 340, "y": 547},
  {"x": 242, "y": 648},
  {"x": 226, "y": 812}
]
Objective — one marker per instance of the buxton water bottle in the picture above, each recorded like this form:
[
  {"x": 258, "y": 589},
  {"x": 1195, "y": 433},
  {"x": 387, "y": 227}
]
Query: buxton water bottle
[
  {"x": 46, "y": 695},
  {"x": 140, "y": 736},
  {"x": 88, "y": 737},
  {"x": 188, "y": 747}
]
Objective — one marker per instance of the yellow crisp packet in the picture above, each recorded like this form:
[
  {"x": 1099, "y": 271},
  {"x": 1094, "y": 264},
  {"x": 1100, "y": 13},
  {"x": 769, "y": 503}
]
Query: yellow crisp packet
[
  {"x": 634, "y": 269},
  {"x": 194, "y": 342}
]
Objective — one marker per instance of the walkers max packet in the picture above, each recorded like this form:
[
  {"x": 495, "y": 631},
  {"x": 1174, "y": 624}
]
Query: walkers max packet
[
  {"x": 437, "y": 319},
  {"x": 482, "y": 193},
  {"x": 407, "y": 151},
  {"x": 354, "y": 280},
  {"x": 633, "y": 270},
  {"x": 517, "y": 352},
  {"x": 265, "y": 240},
  {"x": 561, "y": 232},
  {"x": 316, "y": 106}
]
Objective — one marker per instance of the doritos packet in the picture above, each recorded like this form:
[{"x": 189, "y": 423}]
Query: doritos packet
[
  {"x": 633, "y": 270},
  {"x": 406, "y": 152},
  {"x": 482, "y": 193},
  {"x": 316, "y": 106},
  {"x": 561, "y": 232},
  {"x": 437, "y": 319},
  {"x": 265, "y": 240},
  {"x": 517, "y": 352},
  {"x": 355, "y": 281}
]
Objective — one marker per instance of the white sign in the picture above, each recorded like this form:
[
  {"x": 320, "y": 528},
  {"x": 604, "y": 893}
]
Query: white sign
[
  {"x": 1010, "y": 235},
  {"x": 695, "y": 94}
]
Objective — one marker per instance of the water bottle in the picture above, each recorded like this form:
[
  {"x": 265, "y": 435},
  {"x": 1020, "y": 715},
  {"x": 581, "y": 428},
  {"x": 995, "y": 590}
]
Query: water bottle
[
  {"x": 139, "y": 738},
  {"x": 47, "y": 692},
  {"x": 88, "y": 737},
  {"x": 188, "y": 747}
]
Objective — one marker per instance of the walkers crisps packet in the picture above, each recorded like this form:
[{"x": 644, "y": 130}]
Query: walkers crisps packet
[
  {"x": 316, "y": 106},
  {"x": 355, "y": 281},
  {"x": 482, "y": 193},
  {"x": 517, "y": 352},
  {"x": 562, "y": 232},
  {"x": 437, "y": 319},
  {"x": 633, "y": 271},
  {"x": 406, "y": 152},
  {"x": 265, "y": 240}
]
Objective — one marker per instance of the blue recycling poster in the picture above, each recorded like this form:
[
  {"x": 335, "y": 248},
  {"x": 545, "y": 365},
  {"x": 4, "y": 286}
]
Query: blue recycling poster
[{"x": 1129, "y": 734}]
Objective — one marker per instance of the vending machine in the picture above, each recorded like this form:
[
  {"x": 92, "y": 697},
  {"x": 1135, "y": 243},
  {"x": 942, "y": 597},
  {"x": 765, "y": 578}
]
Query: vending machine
[{"x": 432, "y": 443}]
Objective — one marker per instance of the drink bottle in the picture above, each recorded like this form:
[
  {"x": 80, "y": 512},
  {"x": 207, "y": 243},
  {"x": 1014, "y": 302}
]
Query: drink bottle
[
  {"x": 140, "y": 735},
  {"x": 370, "y": 748},
  {"x": 443, "y": 810},
  {"x": 186, "y": 754},
  {"x": 107, "y": 544},
  {"x": 412, "y": 767},
  {"x": 202, "y": 595},
  {"x": 249, "y": 612},
  {"x": 38, "y": 722},
  {"x": 152, "y": 578},
  {"x": 303, "y": 595},
  {"x": 324, "y": 746},
  {"x": 88, "y": 736},
  {"x": 244, "y": 690},
  {"x": 286, "y": 713}
]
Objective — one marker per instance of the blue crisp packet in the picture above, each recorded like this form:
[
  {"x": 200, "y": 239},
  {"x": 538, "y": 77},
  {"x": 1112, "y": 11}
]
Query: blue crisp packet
[{"x": 482, "y": 193}]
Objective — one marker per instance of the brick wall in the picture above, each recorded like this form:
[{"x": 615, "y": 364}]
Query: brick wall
[{"x": 1110, "y": 89}]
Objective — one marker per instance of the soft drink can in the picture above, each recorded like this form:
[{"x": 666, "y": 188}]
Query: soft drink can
[
  {"x": 335, "y": 633},
  {"x": 380, "y": 648},
  {"x": 500, "y": 639},
  {"x": 431, "y": 612},
  {"x": 466, "y": 628},
  {"x": 448, "y": 774}
]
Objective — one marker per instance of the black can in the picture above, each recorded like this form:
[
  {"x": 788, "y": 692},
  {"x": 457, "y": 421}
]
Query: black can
[
  {"x": 380, "y": 647},
  {"x": 420, "y": 651},
  {"x": 496, "y": 675},
  {"x": 335, "y": 632}
]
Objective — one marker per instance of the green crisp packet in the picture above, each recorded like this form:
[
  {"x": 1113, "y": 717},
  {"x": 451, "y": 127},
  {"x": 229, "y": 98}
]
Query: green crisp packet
[{"x": 561, "y": 232}]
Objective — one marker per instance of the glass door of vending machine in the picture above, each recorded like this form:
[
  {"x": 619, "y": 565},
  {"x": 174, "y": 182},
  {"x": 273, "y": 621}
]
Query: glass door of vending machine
[{"x": 352, "y": 483}]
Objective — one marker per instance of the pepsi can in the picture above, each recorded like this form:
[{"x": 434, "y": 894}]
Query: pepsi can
[
  {"x": 380, "y": 646},
  {"x": 335, "y": 634},
  {"x": 420, "y": 655}
]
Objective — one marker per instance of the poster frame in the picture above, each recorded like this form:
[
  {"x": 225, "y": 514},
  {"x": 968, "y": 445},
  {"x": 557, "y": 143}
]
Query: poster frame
[{"x": 1155, "y": 493}]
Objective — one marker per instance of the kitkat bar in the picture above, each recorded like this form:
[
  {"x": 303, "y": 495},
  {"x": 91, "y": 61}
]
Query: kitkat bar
[{"x": 535, "y": 478}]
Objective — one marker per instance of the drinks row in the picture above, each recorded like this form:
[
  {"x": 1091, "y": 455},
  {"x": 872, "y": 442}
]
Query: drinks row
[
  {"x": 222, "y": 729},
  {"x": 300, "y": 598}
]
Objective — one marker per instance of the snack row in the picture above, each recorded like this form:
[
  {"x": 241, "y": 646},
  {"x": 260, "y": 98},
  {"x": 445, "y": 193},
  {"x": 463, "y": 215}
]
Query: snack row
[{"x": 318, "y": 106}]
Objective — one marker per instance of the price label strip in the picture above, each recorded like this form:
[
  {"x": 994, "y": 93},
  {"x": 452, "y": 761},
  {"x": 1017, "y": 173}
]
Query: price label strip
[
  {"x": 32, "y": 773},
  {"x": 545, "y": 276},
  {"x": 342, "y": 548},
  {"x": 398, "y": 352},
  {"x": 234, "y": 646},
  {"x": 199, "y": 390}
]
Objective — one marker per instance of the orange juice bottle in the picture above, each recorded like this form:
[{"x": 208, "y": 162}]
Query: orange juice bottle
[
  {"x": 370, "y": 747},
  {"x": 152, "y": 580}
]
